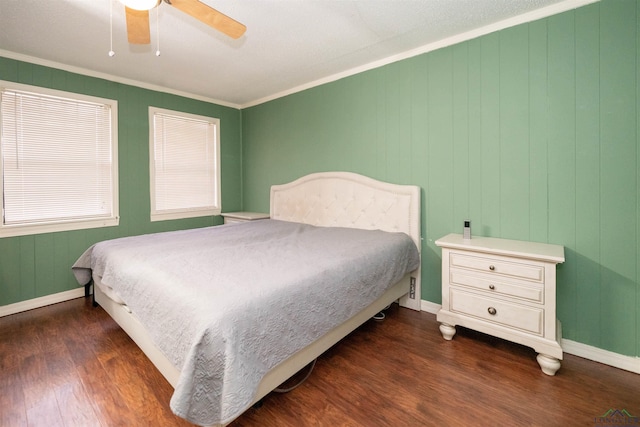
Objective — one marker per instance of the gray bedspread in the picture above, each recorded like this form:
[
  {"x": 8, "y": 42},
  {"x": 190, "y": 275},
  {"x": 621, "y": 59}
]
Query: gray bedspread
[{"x": 226, "y": 304}]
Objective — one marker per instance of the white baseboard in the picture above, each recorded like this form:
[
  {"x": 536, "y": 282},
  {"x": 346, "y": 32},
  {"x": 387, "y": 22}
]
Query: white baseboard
[
  {"x": 628, "y": 363},
  {"x": 18, "y": 307},
  {"x": 430, "y": 307}
]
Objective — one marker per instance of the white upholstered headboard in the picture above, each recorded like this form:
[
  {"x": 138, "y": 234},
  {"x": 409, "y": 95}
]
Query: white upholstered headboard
[{"x": 345, "y": 199}]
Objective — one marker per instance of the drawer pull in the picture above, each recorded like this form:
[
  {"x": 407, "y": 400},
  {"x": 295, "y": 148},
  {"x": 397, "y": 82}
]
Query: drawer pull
[
  {"x": 492, "y": 311},
  {"x": 492, "y": 267},
  {"x": 492, "y": 287}
]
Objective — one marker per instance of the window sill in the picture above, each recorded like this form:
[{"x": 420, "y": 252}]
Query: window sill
[{"x": 25, "y": 230}]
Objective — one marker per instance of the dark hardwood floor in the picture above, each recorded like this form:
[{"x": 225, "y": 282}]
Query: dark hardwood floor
[{"x": 69, "y": 364}]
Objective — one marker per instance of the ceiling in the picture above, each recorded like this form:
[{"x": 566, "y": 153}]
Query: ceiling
[{"x": 289, "y": 45}]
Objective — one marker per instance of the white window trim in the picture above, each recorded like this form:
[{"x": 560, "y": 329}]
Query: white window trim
[
  {"x": 76, "y": 224},
  {"x": 163, "y": 215}
]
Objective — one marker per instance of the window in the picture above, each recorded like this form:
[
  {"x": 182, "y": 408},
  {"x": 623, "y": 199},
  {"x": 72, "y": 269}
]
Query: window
[
  {"x": 184, "y": 164},
  {"x": 58, "y": 153}
]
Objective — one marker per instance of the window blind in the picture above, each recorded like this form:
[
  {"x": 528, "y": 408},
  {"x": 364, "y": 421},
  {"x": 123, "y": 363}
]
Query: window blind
[
  {"x": 57, "y": 159},
  {"x": 185, "y": 175}
]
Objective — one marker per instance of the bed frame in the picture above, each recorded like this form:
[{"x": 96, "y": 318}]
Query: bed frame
[{"x": 339, "y": 199}]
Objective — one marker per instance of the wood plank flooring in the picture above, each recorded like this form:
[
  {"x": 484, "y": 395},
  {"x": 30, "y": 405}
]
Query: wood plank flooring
[{"x": 69, "y": 364}]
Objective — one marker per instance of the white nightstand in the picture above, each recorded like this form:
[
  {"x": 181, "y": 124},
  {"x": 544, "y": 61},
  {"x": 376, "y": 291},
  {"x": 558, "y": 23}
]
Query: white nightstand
[
  {"x": 504, "y": 288},
  {"x": 231, "y": 217}
]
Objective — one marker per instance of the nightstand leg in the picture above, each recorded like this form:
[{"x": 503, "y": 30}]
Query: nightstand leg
[
  {"x": 549, "y": 365},
  {"x": 447, "y": 331}
]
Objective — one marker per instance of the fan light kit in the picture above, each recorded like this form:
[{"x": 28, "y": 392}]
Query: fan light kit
[
  {"x": 137, "y": 14},
  {"x": 138, "y": 28},
  {"x": 140, "y": 4}
]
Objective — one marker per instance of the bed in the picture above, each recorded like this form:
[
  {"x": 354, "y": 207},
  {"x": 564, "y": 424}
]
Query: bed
[{"x": 242, "y": 339}]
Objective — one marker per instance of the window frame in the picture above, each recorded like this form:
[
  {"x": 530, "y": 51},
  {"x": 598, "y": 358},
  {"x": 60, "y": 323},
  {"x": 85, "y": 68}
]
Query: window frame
[
  {"x": 183, "y": 213},
  {"x": 49, "y": 226}
]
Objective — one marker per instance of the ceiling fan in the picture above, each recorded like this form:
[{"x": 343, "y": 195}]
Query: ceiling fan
[{"x": 137, "y": 13}]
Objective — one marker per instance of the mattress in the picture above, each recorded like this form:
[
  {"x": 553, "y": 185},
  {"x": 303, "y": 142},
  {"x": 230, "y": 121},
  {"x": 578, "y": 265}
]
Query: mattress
[{"x": 226, "y": 304}]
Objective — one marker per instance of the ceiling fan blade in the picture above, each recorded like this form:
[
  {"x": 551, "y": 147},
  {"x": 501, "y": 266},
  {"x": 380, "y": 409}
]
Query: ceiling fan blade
[
  {"x": 211, "y": 17},
  {"x": 138, "y": 31}
]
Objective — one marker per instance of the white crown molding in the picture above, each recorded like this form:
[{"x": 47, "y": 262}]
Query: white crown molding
[
  {"x": 459, "y": 38},
  {"x": 110, "y": 77},
  {"x": 501, "y": 25}
]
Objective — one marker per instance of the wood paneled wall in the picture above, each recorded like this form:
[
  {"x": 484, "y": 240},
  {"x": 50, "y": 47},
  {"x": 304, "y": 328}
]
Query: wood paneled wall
[
  {"x": 530, "y": 132},
  {"x": 39, "y": 265}
]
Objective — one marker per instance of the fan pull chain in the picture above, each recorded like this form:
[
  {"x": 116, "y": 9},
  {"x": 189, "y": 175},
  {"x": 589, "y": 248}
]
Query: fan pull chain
[
  {"x": 111, "y": 52},
  {"x": 158, "y": 31}
]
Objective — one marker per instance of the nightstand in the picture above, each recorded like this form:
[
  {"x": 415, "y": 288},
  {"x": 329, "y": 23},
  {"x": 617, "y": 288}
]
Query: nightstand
[
  {"x": 233, "y": 217},
  {"x": 504, "y": 288}
]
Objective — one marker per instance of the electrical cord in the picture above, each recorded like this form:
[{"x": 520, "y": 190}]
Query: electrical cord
[
  {"x": 380, "y": 315},
  {"x": 288, "y": 389}
]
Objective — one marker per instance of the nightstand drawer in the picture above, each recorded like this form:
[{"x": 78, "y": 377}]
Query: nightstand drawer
[
  {"x": 494, "y": 266},
  {"x": 507, "y": 314},
  {"x": 531, "y": 293}
]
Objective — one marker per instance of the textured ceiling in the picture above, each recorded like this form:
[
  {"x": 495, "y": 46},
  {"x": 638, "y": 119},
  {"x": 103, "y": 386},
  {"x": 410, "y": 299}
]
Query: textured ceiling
[{"x": 289, "y": 44}]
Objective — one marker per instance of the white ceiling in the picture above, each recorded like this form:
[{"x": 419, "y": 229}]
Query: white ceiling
[{"x": 289, "y": 44}]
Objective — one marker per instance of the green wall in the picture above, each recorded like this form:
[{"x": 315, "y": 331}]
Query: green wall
[
  {"x": 530, "y": 132},
  {"x": 39, "y": 265}
]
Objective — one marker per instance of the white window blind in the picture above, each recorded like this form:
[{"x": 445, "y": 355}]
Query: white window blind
[
  {"x": 185, "y": 176},
  {"x": 58, "y": 167}
]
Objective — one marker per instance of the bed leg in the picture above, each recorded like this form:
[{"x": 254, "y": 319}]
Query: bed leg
[
  {"x": 87, "y": 289},
  {"x": 258, "y": 404}
]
